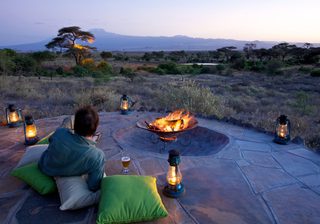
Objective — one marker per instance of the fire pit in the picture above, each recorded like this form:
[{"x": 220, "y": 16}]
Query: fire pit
[{"x": 169, "y": 127}]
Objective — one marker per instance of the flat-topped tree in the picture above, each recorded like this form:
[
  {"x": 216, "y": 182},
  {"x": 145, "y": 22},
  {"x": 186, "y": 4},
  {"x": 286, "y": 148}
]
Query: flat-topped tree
[{"x": 66, "y": 39}]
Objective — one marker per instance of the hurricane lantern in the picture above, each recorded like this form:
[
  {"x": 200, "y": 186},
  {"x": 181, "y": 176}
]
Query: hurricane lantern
[
  {"x": 30, "y": 131},
  {"x": 13, "y": 116},
  {"x": 174, "y": 187},
  {"x": 282, "y": 131},
  {"x": 125, "y": 104}
]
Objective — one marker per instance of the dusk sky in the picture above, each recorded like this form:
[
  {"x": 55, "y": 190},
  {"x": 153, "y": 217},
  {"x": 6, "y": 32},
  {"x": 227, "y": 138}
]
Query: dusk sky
[{"x": 275, "y": 20}]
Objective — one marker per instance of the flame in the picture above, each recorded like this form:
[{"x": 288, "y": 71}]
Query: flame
[
  {"x": 282, "y": 130},
  {"x": 175, "y": 121},
  {"x": 31, "y": 131},
  {"x": 13, "y": 116}
]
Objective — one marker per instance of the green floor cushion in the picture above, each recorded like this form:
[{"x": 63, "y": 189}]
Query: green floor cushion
[
  {"x": 35, "y": 178},
  {"x": 127, "y": 199},
  {"x": 45, "y": 140},
  {"x": 32, "y": 155},
  {"x": 74, "y": 193}
]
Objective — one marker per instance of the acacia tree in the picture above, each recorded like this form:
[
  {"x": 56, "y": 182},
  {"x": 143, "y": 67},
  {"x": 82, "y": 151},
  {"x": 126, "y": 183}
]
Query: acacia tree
[
  {"x": 249, "y": 50},
  {"x": 66, "y": 40}
]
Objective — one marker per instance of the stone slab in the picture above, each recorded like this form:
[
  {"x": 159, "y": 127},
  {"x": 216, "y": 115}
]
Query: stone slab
[
  {"x": 311, "y": 181},
  {"x": 295, "y": 165},
  {"x": 253, "y": 146},
  {"x": 294, "y": 204},
  {"x": 262, "y": 159},
  {"x": 39, "y": 209},
  {"x": 219, "y": 194},
  {"x": 7, "y": 204},
  {"x": 308, "y": 154},
  {"x": 263, "y": 178}
]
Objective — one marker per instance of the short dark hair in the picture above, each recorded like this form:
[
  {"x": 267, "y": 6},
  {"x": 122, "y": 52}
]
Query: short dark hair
[{"x": 86, "y": 121}]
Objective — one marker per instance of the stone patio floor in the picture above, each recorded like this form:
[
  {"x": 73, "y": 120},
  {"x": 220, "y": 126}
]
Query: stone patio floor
[{"x": 251, "y": 180}]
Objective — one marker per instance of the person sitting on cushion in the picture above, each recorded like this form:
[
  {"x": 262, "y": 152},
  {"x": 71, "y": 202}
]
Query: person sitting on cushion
[{"x": 75, "y": 154}]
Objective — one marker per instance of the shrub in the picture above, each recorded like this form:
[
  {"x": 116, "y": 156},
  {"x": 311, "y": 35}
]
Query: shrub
[
  {"x": 220, "y": 68},
  {"x": 104, "y": 67},
  {"x": 25, "y": 63},
  {"x": 190, "y": 96},
  {"x": 128, "y": 72},
  {"x": 80, "y": 71},
  {"x": 273, "y": 67},
  {"x": 43, "y": 56},
  {"x": 8, "y": 52},
  {"x": 106, "y": 54},
  {"x": 59, "y": 71},
  {"x": 238, "y": 63},
  {"x": 88, "y": 63},
  {"x": 170, "y": 68},
  {"x": 305, "y": 69},
  {"x": 159, "y": 71},
  {"x": 7, "y": 65},
  {"x": 315, "y": 73}
]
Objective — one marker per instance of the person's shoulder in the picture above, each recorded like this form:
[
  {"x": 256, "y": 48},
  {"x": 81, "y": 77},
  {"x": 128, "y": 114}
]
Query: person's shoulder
[
  {"x": 60, "y": 131},
  {"x": 98, "y": 153}
]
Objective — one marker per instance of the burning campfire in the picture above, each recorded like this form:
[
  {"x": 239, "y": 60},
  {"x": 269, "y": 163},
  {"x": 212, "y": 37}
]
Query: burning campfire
[{"x": 168, "y": 127}]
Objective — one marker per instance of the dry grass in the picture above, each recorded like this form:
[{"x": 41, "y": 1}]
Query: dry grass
[{"x": 251, "y": 98}]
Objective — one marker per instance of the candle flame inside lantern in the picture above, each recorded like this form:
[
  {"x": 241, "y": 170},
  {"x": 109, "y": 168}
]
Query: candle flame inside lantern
[
  {"x": 13, "y": 116},
  {"x": 282, "y": 130},
  {"x": 31, "y": 131}
]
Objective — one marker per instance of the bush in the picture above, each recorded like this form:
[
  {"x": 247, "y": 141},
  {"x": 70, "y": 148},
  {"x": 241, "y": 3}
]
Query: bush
[
  {"x": 88, "y": 63},
  {"x": 315, "y": 73},
  {"x": 106, "y": 54},
  {"x": 8, "y": 52},
  {"x": 305, "y": 69},
  {"x": 273, "y": 67},
  {"x": 258, "y": 67},
  {"x": 59, "y": 71},
  {"x": 80, "y": 71},
  {"x": 25, "y": 63},
  {"x": 104, "y": 67},
  {"x": 128, "y": 72},
  {"x": 159, "y": 71},
  {"x": 170, "y": 68},
  {"x": 220, "y": 68},
  {"x": 238, "y": 63},
  {"x": 7, "y": 65},
  {"x": 43, "y": 56},
  {"x": 190, "y": 96}
]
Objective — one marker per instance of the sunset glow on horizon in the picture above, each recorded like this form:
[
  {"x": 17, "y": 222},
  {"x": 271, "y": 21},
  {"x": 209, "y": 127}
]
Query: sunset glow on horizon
[{"x": 282, "y": 20}]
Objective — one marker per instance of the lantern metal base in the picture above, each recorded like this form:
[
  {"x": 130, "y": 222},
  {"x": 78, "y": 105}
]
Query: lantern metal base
[
  {"x": 173, "y": 191},
  {"x": 281, "y": 141},
  {"x": 32, "y": 141},
  {"x": 125, "y": 112},
  {"x": 15, "y": 124}
]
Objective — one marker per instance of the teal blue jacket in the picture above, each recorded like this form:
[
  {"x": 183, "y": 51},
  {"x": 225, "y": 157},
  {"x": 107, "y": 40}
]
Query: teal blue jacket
[{"x": 69, "y": 154}]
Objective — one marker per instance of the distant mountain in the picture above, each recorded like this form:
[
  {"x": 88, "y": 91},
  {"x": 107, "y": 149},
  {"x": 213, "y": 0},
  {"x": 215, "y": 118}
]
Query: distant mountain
[{"x": 115, "y": 42}]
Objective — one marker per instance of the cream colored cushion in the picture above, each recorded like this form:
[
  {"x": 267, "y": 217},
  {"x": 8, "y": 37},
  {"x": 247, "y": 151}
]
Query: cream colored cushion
[
  {"x": 32, "y": 155},
  {"x": 74, "y": 193}
]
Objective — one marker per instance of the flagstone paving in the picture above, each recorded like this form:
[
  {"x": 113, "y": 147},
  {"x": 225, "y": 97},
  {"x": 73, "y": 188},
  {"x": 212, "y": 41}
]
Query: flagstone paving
[{"x": 239, "y": 177}]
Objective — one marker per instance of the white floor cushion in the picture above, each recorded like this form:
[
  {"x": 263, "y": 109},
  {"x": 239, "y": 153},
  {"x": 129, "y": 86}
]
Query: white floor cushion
[
  {"x": 74, "y": 193},
  {"x": 32, "y": 155}
]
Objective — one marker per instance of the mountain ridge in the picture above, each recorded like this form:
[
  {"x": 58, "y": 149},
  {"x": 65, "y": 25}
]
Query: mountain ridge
[{"x": 108, "y": 41}]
